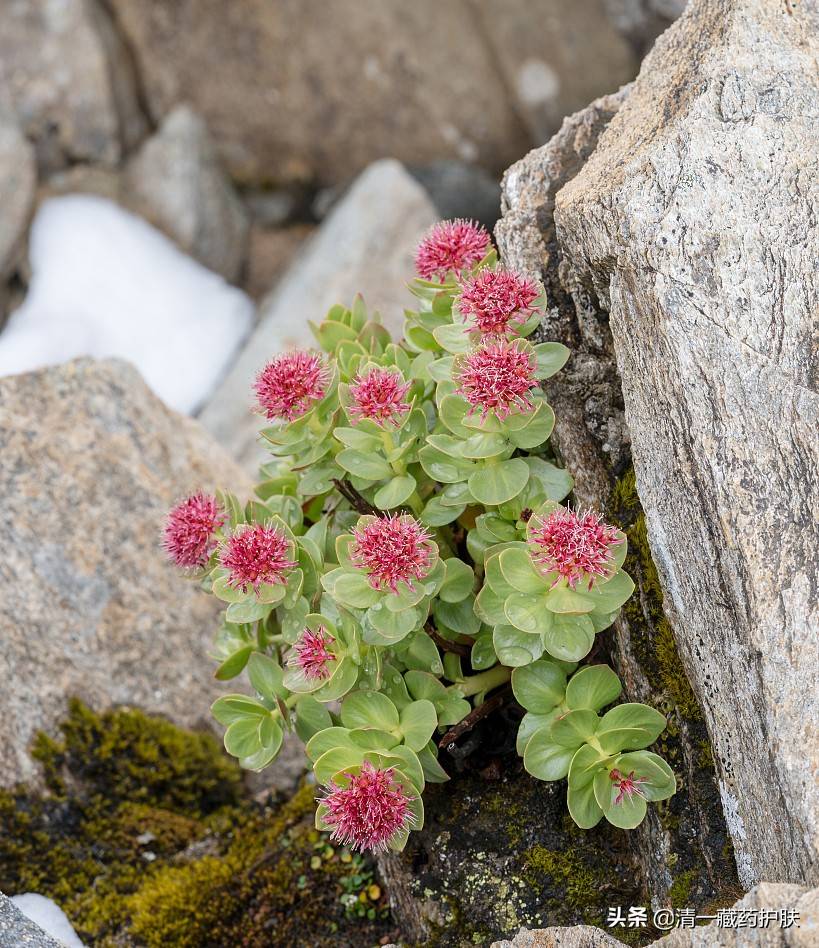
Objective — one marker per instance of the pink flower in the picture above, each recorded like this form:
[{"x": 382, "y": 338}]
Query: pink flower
[
  {"x": 291, "y": 384},
  {"x": 255, "y": 555},
  {"x": 379, "y": 394},
  {"x": 494, "y": 300},
  {"x": 311, "y": 653},
  {"x": 451, "y": 246},
  {"x": 572, "y": 544},
  {"x": 392, "y": 549},
  {"x": 369, "y": 811},
  {"x": 626, "y": 786},
  {"x": 497, "y": 377},
  {"x": 189, "y": 531}
]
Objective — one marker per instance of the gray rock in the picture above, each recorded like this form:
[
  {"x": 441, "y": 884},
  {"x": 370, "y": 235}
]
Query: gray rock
[
  {"x": 804, "y": 933},
  {"x": 69, "y": 79},
  {"x": 554, "y": 56},
  {"x": 418, "y": 81},
  {"x": 18, "y": 178},
  {"x": 642, "y": 21},
  {"x": 176, "y": 182},
  {"x": 91, "y": 461},
  {"x": 694, "y": 222},
  {"x": 461, "y": 190},
  {"x": 366, "y": 245},
  {"x": 17, "y": 931}
]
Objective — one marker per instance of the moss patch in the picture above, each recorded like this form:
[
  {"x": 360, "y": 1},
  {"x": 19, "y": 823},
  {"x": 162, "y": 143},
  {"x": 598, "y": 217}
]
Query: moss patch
[
  {"x": 145, "y": 835},
  {"x": 695, "y": 881}
]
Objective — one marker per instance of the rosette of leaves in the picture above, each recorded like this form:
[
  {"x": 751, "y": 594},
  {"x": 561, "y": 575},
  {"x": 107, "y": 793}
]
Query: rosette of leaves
[
  {"x": 435, "y": 305},
  {"x": 386, "y": 616},
  {"x": 533, "y": 612},
  {"x": 474, "y": 454},
  {"x": 610, "y": 774}
]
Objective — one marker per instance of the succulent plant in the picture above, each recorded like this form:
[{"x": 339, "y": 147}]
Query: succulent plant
[{"x": 407, "y": 554}]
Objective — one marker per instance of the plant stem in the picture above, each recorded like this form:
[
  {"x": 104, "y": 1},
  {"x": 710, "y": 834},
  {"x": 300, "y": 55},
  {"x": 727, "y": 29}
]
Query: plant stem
[{"x": 484, "y": 681}]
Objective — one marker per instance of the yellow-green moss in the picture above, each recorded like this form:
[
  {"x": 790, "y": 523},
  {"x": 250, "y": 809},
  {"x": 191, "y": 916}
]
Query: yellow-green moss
[
  {"x": 579, "y": 883},
  {"x": 146, "y": 834}
]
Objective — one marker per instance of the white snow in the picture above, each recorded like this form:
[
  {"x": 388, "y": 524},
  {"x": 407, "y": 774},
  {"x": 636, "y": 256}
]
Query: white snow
[
  {"x": 106, "y": 283},
  {"x": 49, "y": 916}
]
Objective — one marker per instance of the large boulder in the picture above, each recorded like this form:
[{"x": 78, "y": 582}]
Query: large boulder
[
  {"x": 176, "y": 182},
  {"x": 69, "y": 78},
  {"x": 419, "y": 81},
  {"x": 91, "y": 461},
  {"x": 366, "y": 246},
  {"x": 18, "y": 931},
  {"x": 694, "y": 223},
  {"x": 18, "y": 178}
]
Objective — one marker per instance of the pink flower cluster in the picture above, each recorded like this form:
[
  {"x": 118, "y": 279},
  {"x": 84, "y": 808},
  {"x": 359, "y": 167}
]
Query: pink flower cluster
[
  {"x": 256, "y": 555},
  {"x": 312, "y": 655},
  {"x": 380, "y": 395},
  {"x": 291, "y": 384},
  {"x": 497, "y": 376},
  {"x": 496, "y": 301},
  {"x": 574, "y": 545},
  {"x": 392, "y": 549},
  {"x": 627, "y": 787},
  {"x": 369, "y": 810},
  {"x": 451, "y": 247},
  {"x": 189, "y": 531}
]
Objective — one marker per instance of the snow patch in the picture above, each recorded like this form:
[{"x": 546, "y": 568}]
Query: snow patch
[
  {"x": 49, "y": 916},
  {"x": 106, "y": 283}
]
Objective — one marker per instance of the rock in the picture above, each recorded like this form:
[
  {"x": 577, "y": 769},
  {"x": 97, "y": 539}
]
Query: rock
[
  {"x": 175, "y": 181},
  {"x": 460, "y": 190},
  {"x": 18, "y": 178},
  {"x": 17, "y": 931},
  {"x": 366, "y": 245},
  {"x": 419, "y": 81},
  {"x": 766, "y": 896},
  {"x": 83, "y": 179},
  {"x": 91, "y": 461},
  {"x": 69, "y": 78},
  {"x": 694, "y": 224},
  {"x": 554, "y": 57},
  {"x": 642, "y": 21},
  {"x": 684, "y": 846},
  {"x": 49, "y": 916},
  {"x": 270, "y": 253}
]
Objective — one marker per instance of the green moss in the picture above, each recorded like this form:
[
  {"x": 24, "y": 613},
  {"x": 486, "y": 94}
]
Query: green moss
[
  {"x": 680, "y": 891},
  {"x": 579, "y": 883},
  {"x": 146, "y": 834}
]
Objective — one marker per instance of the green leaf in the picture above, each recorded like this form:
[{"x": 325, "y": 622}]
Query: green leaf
[
  {"x": 433, "y": 771},
  {"x": 354, "y": 589},
  {"x": 372, "y": 738},
  {"x": 585, "y": 764},
  {"x": 497, "y": 483},
  {"x": 355, "y": 438},
  {"x": 224, "y": 591},
  {"x": 495, "y": 578},
  {"x": 443, "y": 468},
  {"x": 267, "y": 753},
  {"x": 515, "y": 648},
  {"x": 242, "y": 738},
  {"x": 544, "y": 759},
  {"x": 385, "y": 627},
  {"x": 327, "y": 739},
  {"x": 438, "y": 514},
  {"x": 569, "y": 637},
  {"x": 369, "y": 709},
  {"x": 453, "y": 338},
  {"x": 554, "y": 481},
  {"x": 247, "y": 611},
  {"x": 452, "y": 411},
  {"x": 458, "y": 616},
  {"x": 583, "y": 807},
  {"x": 610, "y": 595},
  {"x": 266, "y": 676},
  {"x": 336, "y": 760},
  {"x": 418, "y": 723},
  {"x": 660, "y": 780},
  {"x": 483, "y": 651},
  {"x": 484, "y": 445},
  {"x": 234, "y": 664},
  {"x": 406, "y": 760},
  {"x": 593, "y": 687},
  {"x": 458, "y": 581},
  {"x": 342, "y": 679},
  {"x": 490, "y": 607},
  {"x": 230, "y": 708},
  {"x": 517, "y": 569},
  {"x": 630, "y": 727},
  {"x": 531, "y": 723},
  {"x": 628, "y": 813},
  {"x": 395, "y": 492},
  {"x": 371, "y": 467},
  {"x": 551, "y": 357},
  {"x": 562, "y": 599},
  {"x": 311, "y": 717},
  {"x": 539, "y": 686},
  {"x": 574, "y": 728},
  {"x": 528, "y": 613},
  {"x": 537, "y": 431}
]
